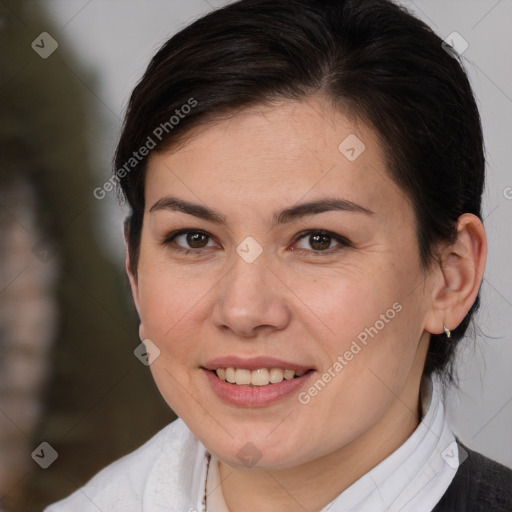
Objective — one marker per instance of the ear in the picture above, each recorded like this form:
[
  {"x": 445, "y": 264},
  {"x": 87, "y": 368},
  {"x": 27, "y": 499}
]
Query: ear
[
  {"x": 131, "y": 276},
  {"x": 459, "y": 276}
]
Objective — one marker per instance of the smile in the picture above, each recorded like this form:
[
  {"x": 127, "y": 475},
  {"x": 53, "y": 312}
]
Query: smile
[{"x": 258, "y": 377}]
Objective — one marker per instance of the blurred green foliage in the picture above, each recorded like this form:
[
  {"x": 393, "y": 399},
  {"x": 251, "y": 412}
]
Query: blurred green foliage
[{"x": 100, "y": 402}]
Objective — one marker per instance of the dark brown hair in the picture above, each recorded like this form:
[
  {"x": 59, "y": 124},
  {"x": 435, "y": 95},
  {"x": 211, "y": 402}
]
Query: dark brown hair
[{"x": 370, "y": 58}]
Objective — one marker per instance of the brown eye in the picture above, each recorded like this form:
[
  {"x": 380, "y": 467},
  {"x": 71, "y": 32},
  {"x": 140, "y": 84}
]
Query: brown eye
[
  {"x": 317, "y": 242},
  {"x": 188, "y": 240},
  {"x": 196, "y": 240},
  {"x": 320, "y": 242}
]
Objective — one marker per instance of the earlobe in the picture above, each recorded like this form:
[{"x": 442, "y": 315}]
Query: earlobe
[
  {"x": 460, "y": 275},
  {"x": 134, "y": 285}
]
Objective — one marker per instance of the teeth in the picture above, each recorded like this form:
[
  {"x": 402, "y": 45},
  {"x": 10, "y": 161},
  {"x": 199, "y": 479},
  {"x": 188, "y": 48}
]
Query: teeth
[
  {"x": 259, "y": 377},
  {"x": 289, "y": 374},
  {"x": 230, "y": 375},
  {"x": 242, "y": 377},
  {"x": 276, "y": 375}
]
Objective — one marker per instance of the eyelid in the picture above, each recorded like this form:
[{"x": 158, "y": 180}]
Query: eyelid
[
  {"x": 169, "y": 238},
  {"x": 342, "y": 241}
]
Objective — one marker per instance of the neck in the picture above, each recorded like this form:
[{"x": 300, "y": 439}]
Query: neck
[{"x": 313, "y": 485}]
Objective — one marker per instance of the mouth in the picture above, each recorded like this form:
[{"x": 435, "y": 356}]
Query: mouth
[
  {"x": 255, "y": 382},
  {"x": 258, "y": 377}
]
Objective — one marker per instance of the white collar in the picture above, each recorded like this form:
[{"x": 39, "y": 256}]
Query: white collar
[{"x": 413, "y": 478}]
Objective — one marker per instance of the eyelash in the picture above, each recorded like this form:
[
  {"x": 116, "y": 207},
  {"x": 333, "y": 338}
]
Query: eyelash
[{"x": 342, "y": 241}]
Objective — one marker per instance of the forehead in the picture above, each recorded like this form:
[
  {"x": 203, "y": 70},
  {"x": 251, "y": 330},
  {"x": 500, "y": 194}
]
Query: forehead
[{"x": 280, "y": 153}]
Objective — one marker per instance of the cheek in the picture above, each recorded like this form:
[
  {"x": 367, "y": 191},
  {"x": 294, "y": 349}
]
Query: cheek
[
  {"x": 345, "y": 303},
  {"x": 169, "y": 308},
  {"x": 365, "y": 321}
]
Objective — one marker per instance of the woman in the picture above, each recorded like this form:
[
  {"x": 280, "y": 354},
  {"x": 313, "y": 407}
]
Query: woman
[{"x": 305, "y": 250}]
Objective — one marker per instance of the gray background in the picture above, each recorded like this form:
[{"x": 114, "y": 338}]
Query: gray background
[{"x": 114, "y": 40}]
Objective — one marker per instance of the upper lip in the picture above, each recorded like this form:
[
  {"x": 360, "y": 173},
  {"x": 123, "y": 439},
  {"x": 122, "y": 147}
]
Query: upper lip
[{"x": 253, "y": 363}]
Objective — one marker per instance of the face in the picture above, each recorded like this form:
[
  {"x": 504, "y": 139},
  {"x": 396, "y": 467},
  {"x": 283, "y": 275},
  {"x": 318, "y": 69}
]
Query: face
[{"x": 271, "y": 242}]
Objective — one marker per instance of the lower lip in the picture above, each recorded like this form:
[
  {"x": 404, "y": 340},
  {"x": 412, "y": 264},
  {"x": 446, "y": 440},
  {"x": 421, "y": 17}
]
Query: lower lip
[{"x": 255, "y": 396}]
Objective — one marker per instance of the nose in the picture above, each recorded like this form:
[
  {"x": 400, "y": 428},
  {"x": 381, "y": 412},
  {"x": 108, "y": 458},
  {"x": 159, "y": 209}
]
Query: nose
[{"x": 251, "y": 300}]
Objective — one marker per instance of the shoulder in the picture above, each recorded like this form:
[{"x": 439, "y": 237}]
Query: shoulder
[
  {"x": 480, "y": 484},
  {"x": 120, "y": 486}
]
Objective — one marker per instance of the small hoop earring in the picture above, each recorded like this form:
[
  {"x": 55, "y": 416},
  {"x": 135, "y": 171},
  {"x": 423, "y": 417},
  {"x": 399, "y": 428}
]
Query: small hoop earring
[{"x": 447, "y": 331}]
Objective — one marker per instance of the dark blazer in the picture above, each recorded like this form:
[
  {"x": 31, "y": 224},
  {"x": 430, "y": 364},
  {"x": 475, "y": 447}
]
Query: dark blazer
[{"x": 480, "y": 485}]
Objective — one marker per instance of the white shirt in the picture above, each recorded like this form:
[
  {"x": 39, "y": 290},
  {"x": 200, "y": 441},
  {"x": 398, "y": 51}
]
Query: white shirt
[{"x": 168, "y": 473}]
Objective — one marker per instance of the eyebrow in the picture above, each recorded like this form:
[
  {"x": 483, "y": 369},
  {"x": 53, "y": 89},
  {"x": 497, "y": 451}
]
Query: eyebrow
[{"x": 282, "y": 217}]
